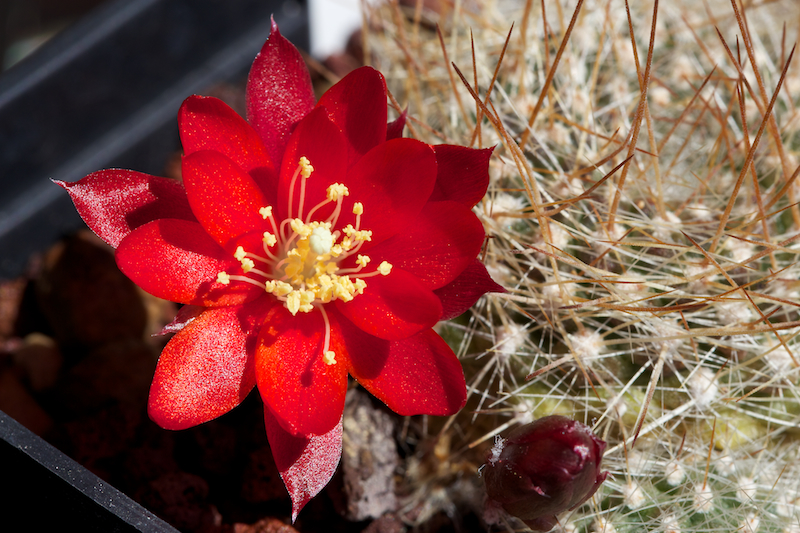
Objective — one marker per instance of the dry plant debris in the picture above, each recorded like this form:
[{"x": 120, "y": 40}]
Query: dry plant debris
[{"x": 644, "y": 217}]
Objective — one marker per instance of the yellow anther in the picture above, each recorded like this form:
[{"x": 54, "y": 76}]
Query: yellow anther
[
  {"x": 329, "y": 358},
  {"x": 305, "y": 167},
  {"x": 384, "y": 268},
  {"x": 282, "y": 288},
  {"x": 247, "y": 265},
  {"x": 299, "y": 301},
  {"x": 269, "y": 239},
  {"x": 223, "y": 278},
  {"x": 300, "y": 228},
  {"x": 325, "y": 290},
  {"x": 293, "y": 302},
  {"x": 240, "y": 253},
  {"x": 344, "y": 289},
  {"x": 306, "y": 301},
  {"x": 278, "y": 288},
  {"x": 360, "y": 285},
  {"x": 304, "y": 270},
  {"x": 357, "y": 235},
  {"x": 337, "y": 190},
  {"x": 294, "y": 270}
]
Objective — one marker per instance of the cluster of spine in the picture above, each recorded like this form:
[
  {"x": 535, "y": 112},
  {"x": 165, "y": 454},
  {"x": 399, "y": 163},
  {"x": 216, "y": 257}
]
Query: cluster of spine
[{"x": 653, "y": 300}]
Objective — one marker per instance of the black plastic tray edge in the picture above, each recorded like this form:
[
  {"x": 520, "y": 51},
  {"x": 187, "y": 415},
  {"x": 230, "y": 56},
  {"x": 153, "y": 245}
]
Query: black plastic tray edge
[{"x": 44, "y": 488}]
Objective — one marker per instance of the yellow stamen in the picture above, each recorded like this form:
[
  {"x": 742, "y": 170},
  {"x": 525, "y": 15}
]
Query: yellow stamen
[
  {"x": 305, "y": 167},
  {"x": 269, "y": 239},
  {"x": 299, "y": 301},
  {"x": 337, "y": 190},
  {"x": 302, "y": 254},
  {"x": 300, "y": 228},
  {"x": 277, "y": 287},
  {"x": 384, "y": 268},
  {"x": 360, "y": 285},
  {"x": 357, "y": 235},
  {"x": 329, "y": 358},
  {"x": 247, "y": 265},
  {"x": 293, "y": 302}
]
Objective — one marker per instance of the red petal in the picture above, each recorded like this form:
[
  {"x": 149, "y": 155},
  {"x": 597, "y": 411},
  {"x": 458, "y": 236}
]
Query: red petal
[
  {"x": 445, "y": 238},
  {"x": 393, "y": 182},
  {"x": 115, "y": 202},
  {"x": 465, "y": 290},
  {"x": 306, "y": 464},
  {"x": 357, "y": 105},
  {"x": 320, "y": 141},
  {"x": 207, "y": 123},
  {"x": 176, "y": 260},
  {"x": 463, "y": 173},
  {"x": 205, "y": 370},
  {"x": 279, "y": 92},
  {"x": 305, "y": 394},
  {"x": 394, "y": 129},
  {"x": 394, "y": 306},
  {"x": 225, "y": 199},
  {"x": 413, "y": 376}
]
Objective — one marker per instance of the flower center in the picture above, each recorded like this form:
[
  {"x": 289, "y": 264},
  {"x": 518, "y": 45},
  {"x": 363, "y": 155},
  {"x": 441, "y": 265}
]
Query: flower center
[{"x": 298, "y": 262}]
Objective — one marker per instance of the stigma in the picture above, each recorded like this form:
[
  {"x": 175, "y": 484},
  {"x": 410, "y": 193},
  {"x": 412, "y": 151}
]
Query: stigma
[{"x": 299, "y": 259}]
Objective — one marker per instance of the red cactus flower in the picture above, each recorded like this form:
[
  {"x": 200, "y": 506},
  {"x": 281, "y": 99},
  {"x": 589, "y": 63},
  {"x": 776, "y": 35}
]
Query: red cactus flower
[
  {"x": 544, "y": 468},
  {"x": 308, "y": 243}
]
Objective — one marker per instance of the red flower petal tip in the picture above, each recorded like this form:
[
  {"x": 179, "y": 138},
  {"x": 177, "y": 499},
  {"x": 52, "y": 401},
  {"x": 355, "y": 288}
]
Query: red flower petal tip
[
  {"x": 542, "y": 469},
  {"x": 307, "y": 242}
]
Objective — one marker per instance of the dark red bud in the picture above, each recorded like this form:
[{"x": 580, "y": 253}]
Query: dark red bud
[{"x": 544, "y": 468}]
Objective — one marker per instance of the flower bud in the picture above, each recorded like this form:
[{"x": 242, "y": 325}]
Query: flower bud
[{"x": 543, "y": 468}]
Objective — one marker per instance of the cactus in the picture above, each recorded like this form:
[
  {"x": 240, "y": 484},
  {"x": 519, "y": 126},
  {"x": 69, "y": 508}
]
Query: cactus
[{"x": 649, "y": 246}]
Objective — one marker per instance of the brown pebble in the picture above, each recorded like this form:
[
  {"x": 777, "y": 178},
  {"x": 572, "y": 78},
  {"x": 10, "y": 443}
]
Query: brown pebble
[
  {"x": 17, "y": 402},
  {"x": 40, "y": 361},
  {"x": 84, "y": 296},
  {"x": 118, "y": 372},
  {"x": 11, "y": 292},
  {"x": 182, "y": 500},
  {"x": 262, "y": 482},
  {"x": 369, "y": 458},
  {"x": 95, "y": 437},
  {"x": 266, "y": 525},
  {"x": 388, "y": 523}
]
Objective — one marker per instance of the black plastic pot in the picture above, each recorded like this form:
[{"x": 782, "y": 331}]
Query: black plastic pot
[{"x": 105, "y": 93}]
